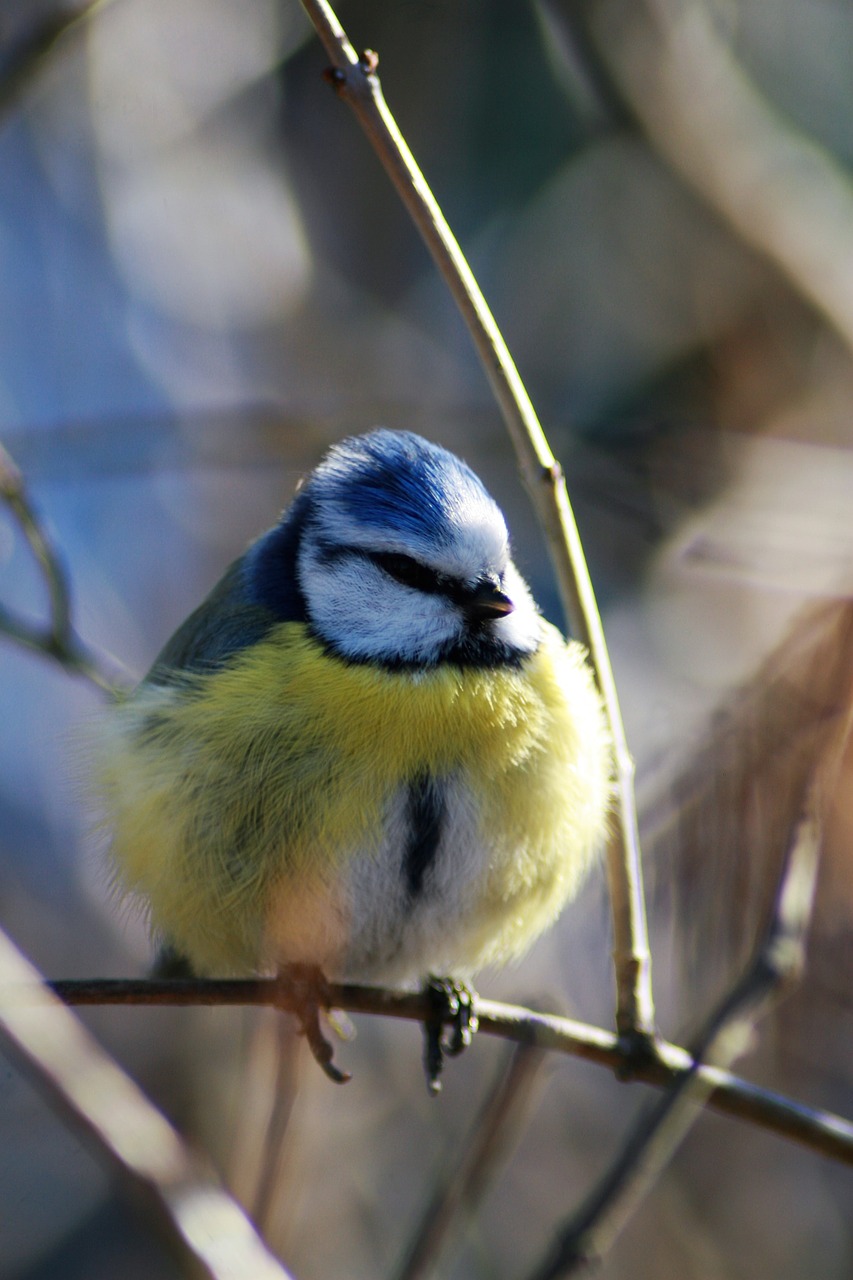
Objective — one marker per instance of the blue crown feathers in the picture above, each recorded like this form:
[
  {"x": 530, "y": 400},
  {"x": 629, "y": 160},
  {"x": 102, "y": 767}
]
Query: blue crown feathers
[{"x": 397, "y": 480}]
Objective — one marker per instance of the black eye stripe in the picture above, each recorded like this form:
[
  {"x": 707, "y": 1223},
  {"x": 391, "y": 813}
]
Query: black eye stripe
[
  {"x": 406, "y": 570},
  {"x": 402, "y": 568},
  {"x": 412, "y": 573}
]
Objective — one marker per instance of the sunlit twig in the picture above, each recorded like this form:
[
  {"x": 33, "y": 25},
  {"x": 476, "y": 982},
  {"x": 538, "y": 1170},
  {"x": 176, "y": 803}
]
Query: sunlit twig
[
  {"x": 356, "y": 82},
  {"x": 649, "y": 1147}
]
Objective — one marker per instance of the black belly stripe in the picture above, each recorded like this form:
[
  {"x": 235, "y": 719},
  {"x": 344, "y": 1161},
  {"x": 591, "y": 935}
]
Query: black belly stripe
[{"x": 425, "y": 814}]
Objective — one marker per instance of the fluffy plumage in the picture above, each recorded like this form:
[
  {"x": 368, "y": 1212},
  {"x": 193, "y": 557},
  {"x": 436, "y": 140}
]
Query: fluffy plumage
[{"x": 366, "y": 749}]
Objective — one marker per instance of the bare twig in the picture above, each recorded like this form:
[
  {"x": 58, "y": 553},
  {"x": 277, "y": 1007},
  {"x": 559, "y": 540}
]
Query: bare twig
[
  {"x": 462, "y": 1186},
  {"x": 820, "y": 1130},
  {"x": 207, "y": 1231},
  {"x": 356, "y": 82},
  {"x": 57, "y": 640}
]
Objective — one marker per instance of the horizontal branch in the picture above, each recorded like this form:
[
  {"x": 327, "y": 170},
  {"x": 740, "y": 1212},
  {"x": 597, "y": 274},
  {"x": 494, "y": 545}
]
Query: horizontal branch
[{"x": 822, "y": 1131}]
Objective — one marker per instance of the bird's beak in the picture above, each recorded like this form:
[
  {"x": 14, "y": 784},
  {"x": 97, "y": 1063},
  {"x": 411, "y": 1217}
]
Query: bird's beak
[{"x": 488, "y": 601}]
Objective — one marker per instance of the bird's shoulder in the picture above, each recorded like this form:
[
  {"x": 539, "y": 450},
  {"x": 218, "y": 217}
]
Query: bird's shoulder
[{"x": 227, "y": 621}]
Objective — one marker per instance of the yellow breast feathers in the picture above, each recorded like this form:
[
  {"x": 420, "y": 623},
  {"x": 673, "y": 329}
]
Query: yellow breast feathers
[{"x": 218, "y": 788}]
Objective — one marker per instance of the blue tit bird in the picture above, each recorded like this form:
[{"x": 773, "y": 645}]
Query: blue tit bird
[{"x": 365, "y": 750}]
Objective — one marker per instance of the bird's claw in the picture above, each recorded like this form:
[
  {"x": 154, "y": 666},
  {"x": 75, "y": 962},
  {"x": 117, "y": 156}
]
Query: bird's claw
[
  {"x": 307, "y": 992},
  {"x": 454, "y": 1003}
]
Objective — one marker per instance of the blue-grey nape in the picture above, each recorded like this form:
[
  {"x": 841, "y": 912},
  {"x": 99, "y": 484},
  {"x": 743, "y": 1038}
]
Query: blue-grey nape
[
  {"x": 257, "y": 592},
  {"x": 270, "y": 566}
]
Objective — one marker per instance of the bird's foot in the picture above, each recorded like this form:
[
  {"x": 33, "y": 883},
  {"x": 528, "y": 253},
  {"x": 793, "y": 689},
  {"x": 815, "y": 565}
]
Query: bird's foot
[
  {"x": 451, "y": 1003},
  {"x": 169, "y": 963},
  {"x": 305, "y": 991}
]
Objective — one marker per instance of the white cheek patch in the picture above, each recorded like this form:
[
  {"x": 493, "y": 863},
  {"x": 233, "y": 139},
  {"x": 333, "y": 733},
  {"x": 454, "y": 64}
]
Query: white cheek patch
[{"x": 365, "y": 614}]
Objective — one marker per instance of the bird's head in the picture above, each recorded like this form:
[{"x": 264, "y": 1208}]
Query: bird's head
[{"x": 402, "y": 557}]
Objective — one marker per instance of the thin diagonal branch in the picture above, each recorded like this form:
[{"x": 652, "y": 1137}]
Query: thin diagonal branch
[
  {"x": 56, "y": 640},
  {"x": 272, "y": 1147},
  {"x": 462, "y": 1185},
  {"x": 592, "y": 1231},
  {"x": 777, "y": 965},
  {"x": 356, "y": 82},
  {"x": 205, "y": 1229}
]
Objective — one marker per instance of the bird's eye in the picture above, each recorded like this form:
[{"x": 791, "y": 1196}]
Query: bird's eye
[{"x": 408, "y": 571}]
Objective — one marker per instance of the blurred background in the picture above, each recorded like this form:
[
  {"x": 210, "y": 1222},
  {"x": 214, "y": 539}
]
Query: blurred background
[{"x": 206, "y": 278}]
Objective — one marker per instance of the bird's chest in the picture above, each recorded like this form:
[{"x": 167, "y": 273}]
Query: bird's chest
[
  {"x": 415, "y": 795},
  {"x": 401, "y": 900},
  {"x": 408, "y": 900}
]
